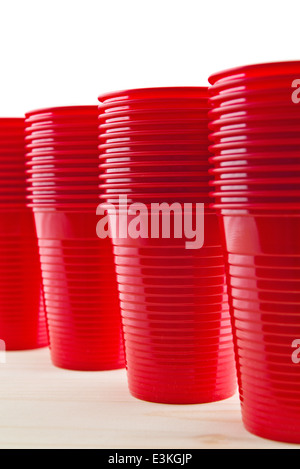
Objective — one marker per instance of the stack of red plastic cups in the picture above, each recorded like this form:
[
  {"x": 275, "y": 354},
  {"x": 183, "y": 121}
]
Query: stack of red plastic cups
[
  {"x": 22, "y": 316},
  {"x": 256, "y": 144},
  {"x": 77, "y": 267},
  {"x": 154, "y": 150}
]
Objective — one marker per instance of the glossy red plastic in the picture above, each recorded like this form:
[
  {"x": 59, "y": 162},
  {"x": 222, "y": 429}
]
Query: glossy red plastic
[
  {"x": 264, "y": 270},
  {"x": 256, "y": 157},
  {"x": 153, "y": 148},
  {"x": 75, "y": 255},
  {"x": 78, "y": 274},
  {"x": 22, "y": 315},
  {"x": 62, "y": 158}
]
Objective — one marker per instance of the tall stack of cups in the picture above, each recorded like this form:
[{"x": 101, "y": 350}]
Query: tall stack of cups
[
  {"x": 77, "y": 267},
  {"x": 22, "y": 316},
  {"x": 177, "y": 332},
  {"x": 255, "y": 123}
]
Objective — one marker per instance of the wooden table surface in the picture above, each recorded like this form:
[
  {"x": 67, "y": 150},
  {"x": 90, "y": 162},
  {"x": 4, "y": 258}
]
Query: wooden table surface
[{"x": 45, "y": 407}]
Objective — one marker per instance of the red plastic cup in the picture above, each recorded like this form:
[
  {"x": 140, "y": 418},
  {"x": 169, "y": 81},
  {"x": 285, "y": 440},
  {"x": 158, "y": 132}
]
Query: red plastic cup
[
  {"x": 175, "y": 318},
  {"x": 75, "y": 261},
  {"x": 79, "y": 281},
  {"x": 71, "y": 115},
  {"x": 156, "y": 160},
  {"x": 22, "y": 316},
  {"x": 153, "y": 148},
  {"x": 62, "y": 157},
  {"x": 178, "y": 345},
  {"x": 256, "y": 158},
  {"x": 264, "y": 275}
]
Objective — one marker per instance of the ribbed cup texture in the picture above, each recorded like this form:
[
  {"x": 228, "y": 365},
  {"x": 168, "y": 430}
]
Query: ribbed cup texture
[
  {"x": 256, "y": 147},
  {"x": 78, "y": 273},
  {"x": 22, "y": 315},
  {"x": 177, "y": 332}
]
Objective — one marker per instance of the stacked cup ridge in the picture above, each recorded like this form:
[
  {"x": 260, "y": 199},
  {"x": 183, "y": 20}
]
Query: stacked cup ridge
[
  {"x": 176, "y": 323},
  {"x": 255, "y": 123},
  {"x": 22, "y": 315},
  {"x": 79, "y": 281}
]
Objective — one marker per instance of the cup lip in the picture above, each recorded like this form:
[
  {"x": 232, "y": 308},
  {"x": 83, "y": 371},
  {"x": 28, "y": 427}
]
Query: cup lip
[
  {"x": 77, "y": 134},
  {"x": 252, "y": 83},
  {"x": 151, "y": 90},
  {"x": 203, "y": 111},
  {"x": 147, "y": 153},
  {"x": 147, "y": 164},
  {"x": 61, "y": 193},
  {"x": 150, "y": 185},
  {"x": 144, "y": 122},
  {"x": 77, "y": 182},
  {"x": 166, "y": 195},
  {"x": 157, "y": 104},
  {"x": 241, "y": 206},
  {"x": 152, "y": 174},
  {"x": 40, "y": 126},
  {"x": 254, "y": 143},
  {"x": 265, "y": 292},
  {"x": 35, "y": 167},
  {"x": 54, "y": 110},
  {"x": 262, "y": 155},
  {"x": 89, "y": 197},
  {"x": 48, "y": 195},
  {"x": 249, "y": 131},
  {"x": 210, "y": 282},
  {"x": 45, "y": 153},
  {"x": 80, "y": 318},
  {"x": 256, "y": 194},
  {"x": 146, "y": 143},
  {"x": 264, "y": 168},
  {"x": 167, "y": 133},
  {"x": 248, "y": 120},
  {"x": 50, "y": 145},
  {"x": 253, "y": 182},
  {"x": 261, "y": 107},
  {"x": 39, "y": 172},
  {"x": 251, "y": 96},
  {"x": 54, "y": 207},
  {"x": 213, "y": 248},
  {"x": 263, "y": 68}
]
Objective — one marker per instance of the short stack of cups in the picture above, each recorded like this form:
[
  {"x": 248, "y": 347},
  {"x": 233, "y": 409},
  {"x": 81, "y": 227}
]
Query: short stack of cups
[
  {"x": 22, "y": 315},
  {"x": 176, "y": 323},
  {"x": 255, "y": 123},
  {"x": 79, "y": 281}
]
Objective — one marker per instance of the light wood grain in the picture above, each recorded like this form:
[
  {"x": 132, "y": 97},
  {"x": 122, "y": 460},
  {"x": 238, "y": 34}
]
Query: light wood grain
[{"x": 44, "y": 407}]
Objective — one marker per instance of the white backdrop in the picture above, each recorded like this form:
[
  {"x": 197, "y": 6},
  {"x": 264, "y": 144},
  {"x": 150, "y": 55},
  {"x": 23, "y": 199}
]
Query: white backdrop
[{"x": 64, "y": 52}]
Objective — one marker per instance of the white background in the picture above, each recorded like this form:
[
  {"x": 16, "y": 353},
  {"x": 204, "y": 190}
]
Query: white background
[{"x": 65, "y": 52}]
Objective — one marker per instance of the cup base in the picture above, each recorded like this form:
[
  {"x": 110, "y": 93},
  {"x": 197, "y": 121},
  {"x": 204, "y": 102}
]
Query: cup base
[
  {"x": 271, "y": 433},
  {"x": 85, "y": 366},
  {"x": 26, "y": 346},
  {"x": 185, "y": 400}
]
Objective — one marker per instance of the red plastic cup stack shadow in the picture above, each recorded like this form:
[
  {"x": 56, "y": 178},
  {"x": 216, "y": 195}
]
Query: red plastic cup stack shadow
[
  {"x": 255, "y": 123},
  {"x": 22, "y": 315},
  {"x": 177, "y": 332},
  {"x": 78, "y": 273}
]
